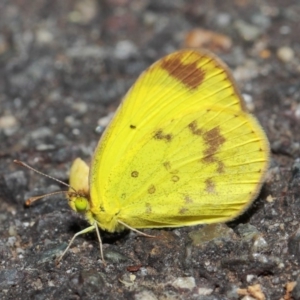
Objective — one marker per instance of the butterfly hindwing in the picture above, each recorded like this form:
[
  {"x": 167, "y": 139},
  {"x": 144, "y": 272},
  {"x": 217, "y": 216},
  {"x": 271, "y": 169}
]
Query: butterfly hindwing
[{"x": 203, "y": 167}]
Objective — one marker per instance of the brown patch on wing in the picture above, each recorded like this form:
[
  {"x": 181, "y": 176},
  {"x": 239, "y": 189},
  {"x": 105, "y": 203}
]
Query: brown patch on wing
[
  {"x": 183, "y": 210},
  {"x": 221, "y": 166},
  {"x": 210, "y": 186},
  {"x": 151, "y": 189},
  {"x": 213, "y": 140},
  {"x": 194, "y": 128},
  {"x": 188, "y": 73},
  {"x": 167, "y": 165},
  {"x": 159, "y": 135},
  {"x": 188, "y": 199},
  {"x": 134, "y": 174},
  {"x": 175, "y": 178}
]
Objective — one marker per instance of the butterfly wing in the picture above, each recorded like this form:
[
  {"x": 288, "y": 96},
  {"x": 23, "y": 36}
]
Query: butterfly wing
[
  {"x": 184, "y": 88},
  {"x": 201, "y": 167}
]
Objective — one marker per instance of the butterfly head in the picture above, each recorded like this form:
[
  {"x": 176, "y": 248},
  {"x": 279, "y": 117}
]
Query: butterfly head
[
  {"x": 79, "y": 202},
  {"x": 78, "y": 193}
]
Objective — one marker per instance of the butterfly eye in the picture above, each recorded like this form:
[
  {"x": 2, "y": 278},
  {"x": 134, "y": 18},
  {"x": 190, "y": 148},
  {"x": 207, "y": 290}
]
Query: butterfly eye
[{"x": 81, "y": 204}]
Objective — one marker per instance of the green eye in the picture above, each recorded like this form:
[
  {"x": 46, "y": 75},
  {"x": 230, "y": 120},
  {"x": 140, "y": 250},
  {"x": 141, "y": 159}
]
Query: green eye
[{"x": 81, "y": 204}]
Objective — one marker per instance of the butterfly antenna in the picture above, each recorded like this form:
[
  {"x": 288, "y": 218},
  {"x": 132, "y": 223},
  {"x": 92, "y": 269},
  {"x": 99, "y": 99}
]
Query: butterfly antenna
[
  {"x": 33, "y": 199},
  {"x": 30, "y": 200}
]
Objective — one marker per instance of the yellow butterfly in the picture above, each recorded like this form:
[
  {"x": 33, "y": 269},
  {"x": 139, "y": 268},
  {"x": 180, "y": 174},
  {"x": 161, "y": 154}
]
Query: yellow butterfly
[{"x": 181, "y": 150}]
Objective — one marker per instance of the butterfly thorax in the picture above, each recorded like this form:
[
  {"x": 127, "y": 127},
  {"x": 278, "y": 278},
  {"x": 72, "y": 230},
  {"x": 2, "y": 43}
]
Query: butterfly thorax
[{"x": 106, "y": 221}]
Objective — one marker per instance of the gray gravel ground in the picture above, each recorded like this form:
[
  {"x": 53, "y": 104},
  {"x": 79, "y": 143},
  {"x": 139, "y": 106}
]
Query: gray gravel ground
[{"x": 64, "y": 65}]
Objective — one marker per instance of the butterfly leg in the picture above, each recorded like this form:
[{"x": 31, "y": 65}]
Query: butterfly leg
[
  {"x": 100, "y": 243},
  {"x": 137, "y": 231},
  {"x": 86, "y": 230}
]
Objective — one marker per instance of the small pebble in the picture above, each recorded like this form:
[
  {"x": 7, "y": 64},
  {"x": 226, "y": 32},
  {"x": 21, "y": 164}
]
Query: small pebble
[
  {"x": 285, "y": 54},
  {"x": 8, "y": 122},
  {"x": 184, "y": 283}
]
